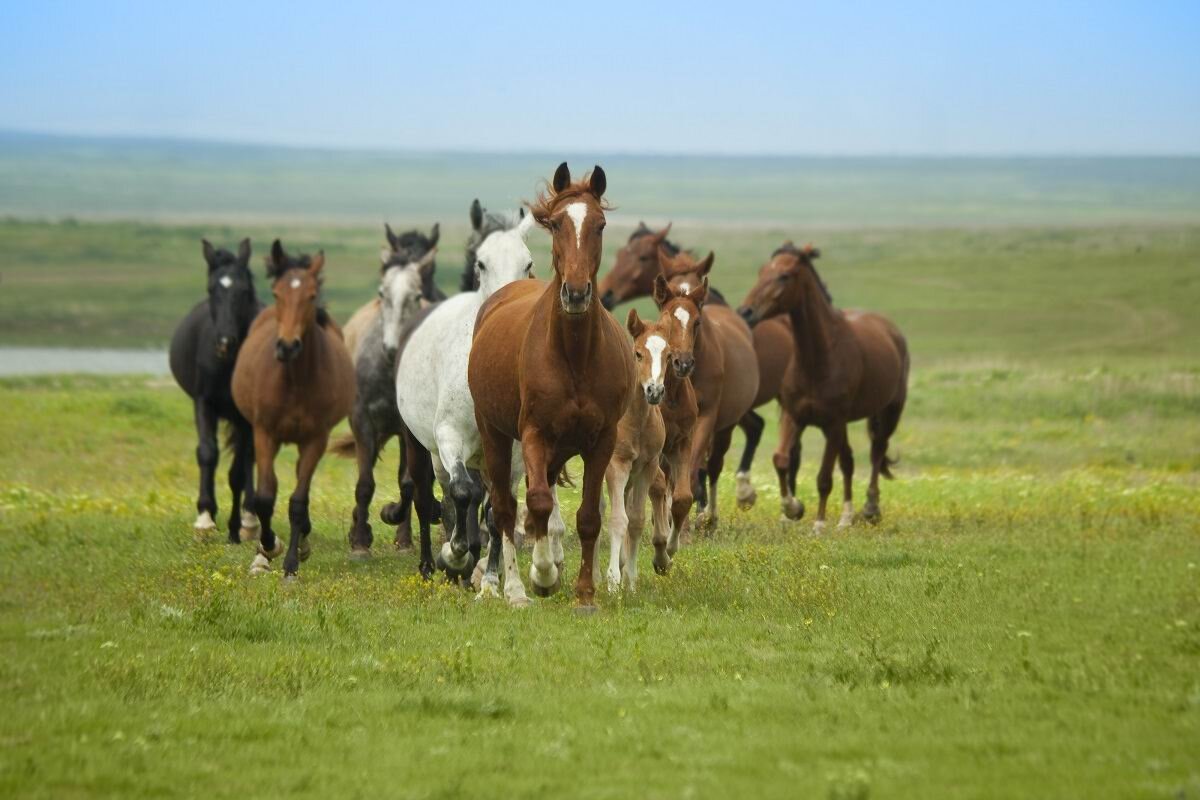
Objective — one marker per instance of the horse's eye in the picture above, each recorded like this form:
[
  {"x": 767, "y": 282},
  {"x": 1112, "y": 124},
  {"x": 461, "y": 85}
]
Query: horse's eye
[
  {"x": 480, "y": 266},
  {"x": 638, "y": 353},
  {"x": 785, "y": 277},
  {"x": 529, "y": 268}
]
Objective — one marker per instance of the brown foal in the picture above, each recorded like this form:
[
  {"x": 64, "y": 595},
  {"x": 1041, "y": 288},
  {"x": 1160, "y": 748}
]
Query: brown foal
[
  {"x": 552, "y": 370},
  {"x": 293, "y": 381},
  {"x": 848, "y": 365}
]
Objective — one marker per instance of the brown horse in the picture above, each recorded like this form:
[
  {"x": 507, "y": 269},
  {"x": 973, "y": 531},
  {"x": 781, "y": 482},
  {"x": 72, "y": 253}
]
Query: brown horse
[
  {"x": 293, "y": 381},
  {"x": 634, "y": 468},
  {"x": 632, "y": 276},
  {"x": 553, "y": 370},
  {"x": 725, "y": 376},
  {"x": 848, "y": 365}
]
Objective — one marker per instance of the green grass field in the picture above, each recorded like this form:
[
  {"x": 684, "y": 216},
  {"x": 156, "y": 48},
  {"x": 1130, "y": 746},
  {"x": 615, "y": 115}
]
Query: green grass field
[{"x": 1025, "y": 621}]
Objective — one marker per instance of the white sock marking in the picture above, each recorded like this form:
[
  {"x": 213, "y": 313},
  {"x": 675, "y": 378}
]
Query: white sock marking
[{"x": 578, "y": 213}]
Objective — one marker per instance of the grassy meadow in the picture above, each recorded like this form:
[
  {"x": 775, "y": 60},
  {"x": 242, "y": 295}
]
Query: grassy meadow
[{"x": 1024, "y": 622}]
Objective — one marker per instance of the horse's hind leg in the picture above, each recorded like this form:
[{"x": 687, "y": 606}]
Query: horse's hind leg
[
  {"x": 846, "y": 460},
  {"x": 587, "y": 519},
  {"x": 420, "y": 467},
  {"x": 880, "y": 427},
  {"x": 266, "y": 447},
  {"x": 617, "y": 478},
  {"x": 400, "y": 513},
  {"x": 498, "y": 453},
  {"x": 301, "y": 525},
  {"x": 660, "y": 507},
  {"x": 207, "y": 454},
  {"x": 716, "y": 461},
  {"x": 752, "y": 425},
  {"x": 635, "y": 509}
]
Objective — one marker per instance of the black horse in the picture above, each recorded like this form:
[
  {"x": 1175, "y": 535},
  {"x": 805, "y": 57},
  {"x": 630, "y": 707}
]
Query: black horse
[{"x": 203, "y": 351}]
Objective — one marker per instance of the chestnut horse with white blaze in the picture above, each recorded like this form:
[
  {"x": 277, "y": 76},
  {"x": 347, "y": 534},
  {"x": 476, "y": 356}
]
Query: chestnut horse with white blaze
[
  {"x": 632, "y": 276},
  {"x": 551, "y": 369},
  {"x": 632, "y": 472},
  {"x": 723, "y": 368},
  {"x": 293, "y": 381},
  {"x": 847, "y": 366}
]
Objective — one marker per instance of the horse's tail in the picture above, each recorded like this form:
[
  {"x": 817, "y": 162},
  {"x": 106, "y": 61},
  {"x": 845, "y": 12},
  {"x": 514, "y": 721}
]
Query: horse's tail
[
  {"x": 344, "y": 446},
  {"x": 564, "y": 479}
]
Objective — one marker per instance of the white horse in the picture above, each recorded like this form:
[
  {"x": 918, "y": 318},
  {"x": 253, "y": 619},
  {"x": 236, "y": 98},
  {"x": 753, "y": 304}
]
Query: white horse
[{"x": 436, "y": 405}]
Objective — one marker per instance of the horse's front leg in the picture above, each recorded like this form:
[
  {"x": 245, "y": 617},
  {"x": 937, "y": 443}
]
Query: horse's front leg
[
  {"x": 366, "y": 451},
  {"x": 299, "y": 547},
  {"x": 752, "y": 425},
  {"x": 587, "y": 519},
  {"x": 497, "y": 455},
  {"x": 846, "y": 461},
  {"x": 539, "y": 500},
  {"x": 266, "y": 447},
  {"x": 243, "y": 525},
  {"x": 787, "y": 451},
  {"x": 834, "y": 434},
  {"x": 681, "y": 506},
  {"x": 702, "y": 441},
  {"x": 207, "y": 453},
  {"x": 617, "y": 478}
]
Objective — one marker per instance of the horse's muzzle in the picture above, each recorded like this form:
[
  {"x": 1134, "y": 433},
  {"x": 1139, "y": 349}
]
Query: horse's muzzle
[
  {"x": 683, "y": 364},
  {"x": 654, "y": 393},
  {"x": 575, "y": 301},
  {"x": 287, "y": 350},
  {"x": 226, "y": 347}
]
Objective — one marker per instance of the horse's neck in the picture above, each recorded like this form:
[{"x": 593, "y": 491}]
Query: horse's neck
[
  {"x": 813, "y": 324},
  {"x": 679, "y": 391},
  {"x": 308, "y": 363}
]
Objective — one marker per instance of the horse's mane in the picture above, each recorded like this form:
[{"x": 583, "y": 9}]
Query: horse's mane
[
  {"x": 665, "y": 244},
  {"x": 548, "y": 198},
  {"x": 805, "y": 255}
]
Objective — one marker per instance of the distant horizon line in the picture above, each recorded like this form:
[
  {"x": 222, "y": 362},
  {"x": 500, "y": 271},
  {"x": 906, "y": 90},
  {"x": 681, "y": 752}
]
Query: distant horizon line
[{"x": 169, "y": 139}]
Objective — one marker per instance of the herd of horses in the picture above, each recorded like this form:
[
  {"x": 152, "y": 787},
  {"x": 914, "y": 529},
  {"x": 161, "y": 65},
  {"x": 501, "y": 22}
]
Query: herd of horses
[{"x": 514, "y": 376}]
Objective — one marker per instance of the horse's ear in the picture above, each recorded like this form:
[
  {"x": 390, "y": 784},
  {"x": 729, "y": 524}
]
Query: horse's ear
[
  {"x": 562, "y": 178},
  {"x": 318, "y": 262},
  {"x": 811, "y": 252},
  {"x": 277, "y": 261},
  {"x": 476, "y": 214},
  {"x": 434, "y": 233},
  {"x": 524, "y": 226},
  {"x": 699, "y": 295},
  {"x": 664, "y": 259},
  {"x": 704, "y": 266},
  {"x": 210, "y": 253},
  {"x": 393, "y": 240},
  {"x": 599, "y": 181},
  {"x": 634, "y": 323},
  {"x": 661, "y": 236},
  {"x": 521, "y": 212},
  {"x": 428, "y": 264},
  {"x": 662, "y": 291}
]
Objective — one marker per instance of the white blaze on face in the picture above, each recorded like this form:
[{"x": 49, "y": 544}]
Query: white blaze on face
[
  {"x": 686, "y": 287},
  {"x": 656, "y": 346},
  {"x": 295, "y": 283},
  {"x": 683, "y": 316},
  {"x": 578, "y": 213},
  {"x": 225, "y": 281}
]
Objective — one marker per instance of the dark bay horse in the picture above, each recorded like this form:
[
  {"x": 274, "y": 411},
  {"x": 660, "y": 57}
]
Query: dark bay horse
[
  {"x": 632, "y": 276},
  {"x": 293, "y": 381},
  {"x": 551, "y": 369},
  {"x": 725, "y": 375},
  {"x": 203, "y": 351},
  {"x": 848, "y": 365}
]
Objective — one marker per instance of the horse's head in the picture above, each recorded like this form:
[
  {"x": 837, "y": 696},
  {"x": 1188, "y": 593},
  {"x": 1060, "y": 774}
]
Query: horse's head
[
  {"x": 483, "y": 225},
  {"x": 400, "y": 294},
  {"x": 783, "y": 283},
  {"x": 231, "y": 299},
  {"x": 296, "y": 284},
  {"x": 652, "y": 350},
  {"x": 632, "y": 274},
  {"x": 573, "y": 213},
  {"x": 679, "y": 315},
  {"x": 682, "y": 271},
  {"x": 412, "y": 246},
  {"x": 503, "y": 257}
]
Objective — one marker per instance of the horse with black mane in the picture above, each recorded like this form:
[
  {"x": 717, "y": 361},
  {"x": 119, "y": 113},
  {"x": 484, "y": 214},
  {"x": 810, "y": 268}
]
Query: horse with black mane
[{"x": 203, "y": 351}]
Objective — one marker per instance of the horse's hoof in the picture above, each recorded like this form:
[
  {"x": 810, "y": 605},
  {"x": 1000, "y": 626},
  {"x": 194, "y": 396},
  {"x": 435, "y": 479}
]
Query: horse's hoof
[
  {"x": 488, "y": 589},
  {"x": 390, "y": 514},
  {"x": 250, "y": 527},
  {"x": 204, "y": 524},
  {"x": 360, "y": 554},
  {"x": 663, "y": 568},
  {"x": 291, "y": 579},
  {"x": 403, "y": 540},
  {"x": 846, "y": 522},
  {"x": 477, "y": 575},
  {"x": 426, "y": 570},
  {"x": 613, "y": 586},
  {"x": 519, "y": 601},
  {"x": 705, "y": 522},
  {"x": 260, "y": 565},
  {"x": 746, "y": 494},
  {"x": 547, "y": 591},
  {"x": 872, "y": 514},
  {"x": 793, "y": 509},
  {"x": 274, "y": 552},
  {"x": 586, "y": 609},
  {"x": 819, "y": 527}
]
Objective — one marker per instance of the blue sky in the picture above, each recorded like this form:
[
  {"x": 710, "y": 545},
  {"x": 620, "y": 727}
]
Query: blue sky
[{"x": 753, "y": 78}]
